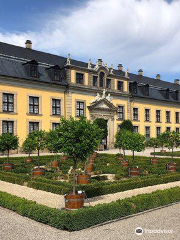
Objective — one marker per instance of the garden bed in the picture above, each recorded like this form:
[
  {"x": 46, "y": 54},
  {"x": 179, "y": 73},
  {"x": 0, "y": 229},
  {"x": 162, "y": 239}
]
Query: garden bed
[
  {"x": 104, "y": 164},
  {"x": 175, "y": 153},
  {"x": 89, "y": 216}
]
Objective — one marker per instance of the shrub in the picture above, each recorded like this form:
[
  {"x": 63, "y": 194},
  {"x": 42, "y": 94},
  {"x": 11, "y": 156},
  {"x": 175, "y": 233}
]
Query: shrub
[{"x": 90, "y": 216}]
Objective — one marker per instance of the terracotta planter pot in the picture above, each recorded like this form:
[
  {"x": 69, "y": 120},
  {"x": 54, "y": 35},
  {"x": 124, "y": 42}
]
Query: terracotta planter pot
[
  {"x": 133, "y": 172},
  {"x": 120, "y": 158},
  {"x": 83, "y": 179},
  {"x": 54, "y": 164},
  {"x": 28, "y": 159},
  {"x": 171, "y": 167},
  {"x": 154, "y": 161},
  {"x": 163, "y": 151},
  {"x": 125, "y": 163},
  {"x": 74, "y": 202},
  {"x": 94, "y": 154},
  {"x": 89, "y": 168},
  {"x": 37, "y": 172},
  {"x": 8, "y": 166},
  {"x": 64, "y": 158}
]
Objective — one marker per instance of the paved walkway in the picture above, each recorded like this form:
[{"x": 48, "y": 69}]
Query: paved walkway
[
  {"x": 146, "y": 152},
  {"x": 16, "y": 227},
  {"x": 57, "y": 201}
]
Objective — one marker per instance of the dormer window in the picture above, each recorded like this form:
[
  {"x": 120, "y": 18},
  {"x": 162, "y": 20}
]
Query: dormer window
[
  {"x": 146, "y": 90},
  {"x": 167, "y": 93},
  {"x": 31, "y": 68},
  {"x": 57, "y": 76},
  {"x": 33, "y": 71},
  {"x": 54, "y": 73},
  {"x": 133, "y": 87}
]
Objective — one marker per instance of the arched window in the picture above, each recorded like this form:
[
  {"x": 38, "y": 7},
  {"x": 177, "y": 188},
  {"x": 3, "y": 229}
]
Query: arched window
[{"x": 101, "y": 79}]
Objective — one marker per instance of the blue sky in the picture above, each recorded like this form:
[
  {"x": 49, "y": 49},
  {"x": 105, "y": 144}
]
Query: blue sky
[{"x": 139, "y": 34}]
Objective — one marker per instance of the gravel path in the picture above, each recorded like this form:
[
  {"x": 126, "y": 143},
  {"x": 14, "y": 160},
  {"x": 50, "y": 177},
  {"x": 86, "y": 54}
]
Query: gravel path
[
  {"x": 146, "y": 153},
  {"x": 57, "y": 201},
  {"x": 16, "y": 227}
]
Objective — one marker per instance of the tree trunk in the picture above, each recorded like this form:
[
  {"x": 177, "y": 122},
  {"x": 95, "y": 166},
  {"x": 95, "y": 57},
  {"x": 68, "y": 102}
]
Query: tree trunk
[
  {"x": 38, "y": 159},
  {"x": 124, "y": 153},
  {"x": 133, "y": 155},
  {"x": 172, "y": 153},
  {"x": 74, "y": 177},
  {"x": 154, "y": 152},
  {"x": 8, "y": 156}
]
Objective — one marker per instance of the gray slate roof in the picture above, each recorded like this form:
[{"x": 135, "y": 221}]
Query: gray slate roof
[{"x": 13, "y": 67}]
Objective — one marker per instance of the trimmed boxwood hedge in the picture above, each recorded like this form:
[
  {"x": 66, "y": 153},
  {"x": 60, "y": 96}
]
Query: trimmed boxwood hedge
[
  {"x": 89, "y": 216},
  {"x": 92, "y": 189}
]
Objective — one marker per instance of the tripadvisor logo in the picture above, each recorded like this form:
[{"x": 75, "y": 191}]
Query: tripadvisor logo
[{"x": 139, "y": 231}]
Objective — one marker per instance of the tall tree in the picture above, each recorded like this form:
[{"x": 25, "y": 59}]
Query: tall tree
[
  {"x": 39, "y": 138},
  {"x": 8, "y": 142},
  {"x": 173, "y": 141},
  {"x": 78, "y": 139},
  {"x": 52, "y": 142},
  {"x": 154, "y": 143}
]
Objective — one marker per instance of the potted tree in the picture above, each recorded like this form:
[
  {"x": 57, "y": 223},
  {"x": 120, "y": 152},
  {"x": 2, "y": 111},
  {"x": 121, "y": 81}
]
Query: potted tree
[
  {"x": 53, "y": 145},
  {"x": 78, "y": 138},
  {"x": 8, "y": 142},
  {"x": 29, "y": 146},
  {"x": 39, "y": 138},
  {"x": 154, "y": 143},
  {"x": 163, "y": 138},
  {"x": 135, "y": 143},
  {"x": 173, "y": 140},
  {"x": 122, "y": 142}
]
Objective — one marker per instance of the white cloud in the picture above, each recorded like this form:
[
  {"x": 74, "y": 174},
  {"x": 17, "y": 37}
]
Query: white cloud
[{"x": 140, "y": 34}]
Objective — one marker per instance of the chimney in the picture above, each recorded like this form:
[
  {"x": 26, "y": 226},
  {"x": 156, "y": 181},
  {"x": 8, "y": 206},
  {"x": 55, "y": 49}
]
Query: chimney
[
  {"x": 158, "y": 77},
  {"x": 99, "y": 62},
  {"x": 120, "y": 67},
  {"x": 140, "y": 72},
  {"x": 176, "y": 81},
  {"x": 28, "y": 44}
]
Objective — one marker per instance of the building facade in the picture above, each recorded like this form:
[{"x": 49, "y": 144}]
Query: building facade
[{"x": 37, "y": 89}]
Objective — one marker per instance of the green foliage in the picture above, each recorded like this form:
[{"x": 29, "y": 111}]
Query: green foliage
[
  {"x": 39, "y": 139},
  {"x": 129, "y": 141},
  {"x": 163, "y": 139},
  {"x": 173, "y": 140},
  {"x": 52, "y": 141},
  {"x": 153, "y": 142},
  {"x": 89, "y": 216},
  {"x": 136, "y": 142},
  {"x": 127, "y": 125},
  {"x": 122, "y": 139},
  {"x": 78, "y": 138},
  {"x": 8, "y": 142},
  {"x": 29, "y": 145},
  {"x": 102, "y": 124}
]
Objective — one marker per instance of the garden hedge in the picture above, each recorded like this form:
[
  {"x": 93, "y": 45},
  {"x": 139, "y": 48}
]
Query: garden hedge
[
  {"x": 92, "y": 189},
  {"x": 89, "y": 216}
]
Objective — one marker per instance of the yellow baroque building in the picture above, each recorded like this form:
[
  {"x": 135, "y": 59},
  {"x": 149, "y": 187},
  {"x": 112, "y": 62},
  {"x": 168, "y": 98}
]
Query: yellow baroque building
[{"x": 38, "y": 88}]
